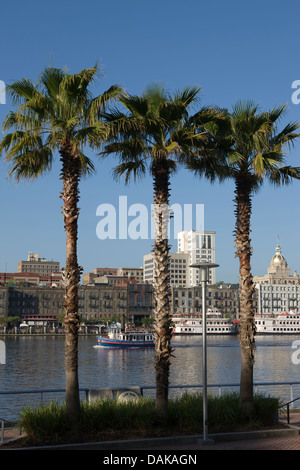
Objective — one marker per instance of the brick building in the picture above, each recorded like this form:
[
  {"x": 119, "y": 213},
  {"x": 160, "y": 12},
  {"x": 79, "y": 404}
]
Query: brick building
[{"x": 43, "y": 305}]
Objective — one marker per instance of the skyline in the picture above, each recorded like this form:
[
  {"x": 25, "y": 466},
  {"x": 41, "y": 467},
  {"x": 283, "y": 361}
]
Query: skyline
[{"x": 231, "y": 51}]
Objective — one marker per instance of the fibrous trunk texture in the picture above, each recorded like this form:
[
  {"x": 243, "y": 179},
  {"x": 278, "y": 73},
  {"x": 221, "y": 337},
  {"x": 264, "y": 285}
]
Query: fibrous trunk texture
[
  {"x": 161, "y": 249},
  {"x": 247, "y": 322},
  {"x": 71, "y": 276}
]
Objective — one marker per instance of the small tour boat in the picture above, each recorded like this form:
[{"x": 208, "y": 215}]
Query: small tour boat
[{"x": 118, "y": 338}]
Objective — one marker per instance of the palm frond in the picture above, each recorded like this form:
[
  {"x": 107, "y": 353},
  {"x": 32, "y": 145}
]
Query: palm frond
[
  {"x": 127, "y": 150},
  {"x": 98, "y": 104},
  {"x": 187, "y": 96},
  {"x": 51, "y": 79},
  {"x": 284, "y": 175},
  {"x": 86, "y": 165},
  {"x": 21, "y": 90},
  {"x": 135, "y": 168},
  {"x": 29, "y": 159},
  {"x": 137, "y": 106},
  {"x": 56, "y": 110}
]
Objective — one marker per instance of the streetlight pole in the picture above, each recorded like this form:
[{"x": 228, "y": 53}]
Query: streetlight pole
[{"x": 204, "y": 268}]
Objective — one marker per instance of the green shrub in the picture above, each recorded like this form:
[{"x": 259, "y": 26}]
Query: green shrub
[{"x": 110, "y": 418}]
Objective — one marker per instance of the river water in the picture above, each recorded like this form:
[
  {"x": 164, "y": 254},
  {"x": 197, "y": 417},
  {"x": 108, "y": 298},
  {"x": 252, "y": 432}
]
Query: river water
[{"x": 37, "y": 362}]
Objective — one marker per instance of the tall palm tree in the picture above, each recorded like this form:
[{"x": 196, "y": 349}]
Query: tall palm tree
[
  {"x": 253, "y": 152},
  {"x": 155, "y": 132},
  {"x": 58, "y": 113}
]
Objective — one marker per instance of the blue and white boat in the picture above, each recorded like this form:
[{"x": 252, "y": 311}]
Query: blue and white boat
[{"x": 117, "y": 338}]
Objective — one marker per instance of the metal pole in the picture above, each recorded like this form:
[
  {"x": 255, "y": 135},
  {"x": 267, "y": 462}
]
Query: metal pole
[
  {"x": 204, "y": 353},
  {"x": 204, "y": 267}
]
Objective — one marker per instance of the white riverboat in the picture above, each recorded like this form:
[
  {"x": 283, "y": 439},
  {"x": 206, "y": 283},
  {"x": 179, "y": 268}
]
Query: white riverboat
[
  {"x": 285, "y": 323},
  {"x": 192, "y": 325}
]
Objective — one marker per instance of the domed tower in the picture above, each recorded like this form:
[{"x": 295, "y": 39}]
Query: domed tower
[
  {"x": 278, "y": 271},
  {"x": 278, "y": 261},
  {"x": 278, "y": 266}
]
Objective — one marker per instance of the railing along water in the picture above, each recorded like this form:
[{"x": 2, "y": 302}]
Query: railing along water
[{"x": 143, "y": 388}]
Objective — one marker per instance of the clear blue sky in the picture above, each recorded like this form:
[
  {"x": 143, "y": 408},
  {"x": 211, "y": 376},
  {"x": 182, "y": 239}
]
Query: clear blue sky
[{"x": 232, "y": 50}]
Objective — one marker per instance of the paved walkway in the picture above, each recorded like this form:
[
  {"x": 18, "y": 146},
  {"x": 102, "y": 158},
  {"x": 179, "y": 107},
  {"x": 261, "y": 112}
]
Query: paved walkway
[{"x": 291, "y": 442}]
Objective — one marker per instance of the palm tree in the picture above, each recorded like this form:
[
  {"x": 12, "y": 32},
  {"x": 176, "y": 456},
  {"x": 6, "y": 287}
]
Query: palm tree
[
  {"x": 58, "y": 113},
  {"x": 254, "y": 152},
  {"x": 155, "y": 132}
]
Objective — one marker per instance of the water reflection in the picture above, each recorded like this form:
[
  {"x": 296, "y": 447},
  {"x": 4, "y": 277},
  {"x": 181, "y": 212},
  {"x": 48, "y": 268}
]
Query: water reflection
[{"x": 38, "y": 363}]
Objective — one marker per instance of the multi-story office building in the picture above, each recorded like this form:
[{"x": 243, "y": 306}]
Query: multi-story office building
[
  {"x": 201, "y": 247},
  {"x": 37, "y": 265},
  {"x": 179, "y": 269}
]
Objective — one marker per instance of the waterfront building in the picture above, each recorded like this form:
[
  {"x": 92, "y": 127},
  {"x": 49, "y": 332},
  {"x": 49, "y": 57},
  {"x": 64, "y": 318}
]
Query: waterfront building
[
  {"x": 37, "y": 305},
  {"x": 3, "y": 302},
  {"x": 40, "y": 305},
  {"x": 37, "y": 265},
  {"x": 277, "y": 298},
  {"x": 178, "y": 268},
  {"x": 139, "y": 296},
  {"x": 278, "y": 271},
  {"x": 200, "y": 246},
  {"x": 278, "y": 291},
  {"x": 223, "y": 297},
  {"x": 100, "y": 301}
]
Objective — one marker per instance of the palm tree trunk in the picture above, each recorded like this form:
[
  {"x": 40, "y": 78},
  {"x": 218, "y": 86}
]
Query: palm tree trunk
[
  {"x": 162, "y": 290},
  {"x": 71, "y": 276},
  {"x": 247, "y": 323}
]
